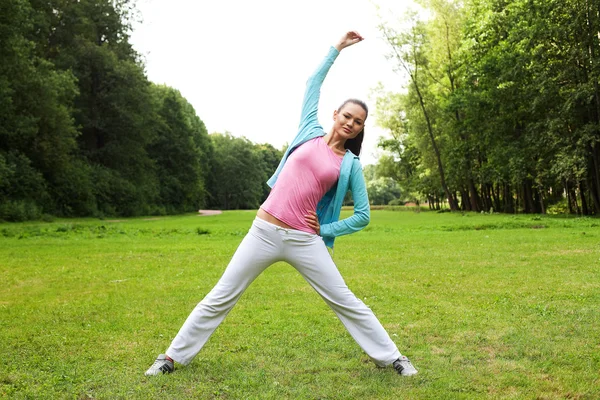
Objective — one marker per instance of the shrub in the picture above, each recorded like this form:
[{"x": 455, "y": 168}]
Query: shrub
[
  {"x": 72, "y": 191},
  {"x": 396, "y": 202},
  {"x": 19, "y": 210},
  {"x": 558, "y": 208}
]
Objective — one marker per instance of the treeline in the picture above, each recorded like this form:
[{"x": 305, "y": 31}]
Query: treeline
[
  {"x": 84, "y": 133},
  {"x": 502, "y": 109}
]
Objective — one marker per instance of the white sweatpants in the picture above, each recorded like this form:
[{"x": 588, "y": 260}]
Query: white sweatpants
[{"x": 264, "y": 245}]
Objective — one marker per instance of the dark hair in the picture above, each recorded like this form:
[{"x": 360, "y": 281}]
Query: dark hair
[{"x": 354, "y": 145}]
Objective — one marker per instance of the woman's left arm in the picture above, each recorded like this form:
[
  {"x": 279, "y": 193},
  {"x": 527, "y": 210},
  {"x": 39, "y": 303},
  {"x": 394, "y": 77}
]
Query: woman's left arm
[
  {"x": 312, "y": 94},
  {"x": 362, "y": 210}
]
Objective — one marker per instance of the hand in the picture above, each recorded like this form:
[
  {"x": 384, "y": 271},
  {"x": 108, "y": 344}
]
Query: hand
[
  {"x": 348, "y": 39},
  {"x": 313, "y": 222}
]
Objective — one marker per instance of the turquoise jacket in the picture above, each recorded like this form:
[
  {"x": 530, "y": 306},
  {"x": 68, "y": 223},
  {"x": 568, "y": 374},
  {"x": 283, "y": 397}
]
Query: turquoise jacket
[{"x": 351, "y": 174}]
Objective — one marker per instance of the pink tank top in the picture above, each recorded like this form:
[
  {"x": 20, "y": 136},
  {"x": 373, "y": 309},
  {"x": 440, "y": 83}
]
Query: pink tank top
[{"x": 309, "y": 172}]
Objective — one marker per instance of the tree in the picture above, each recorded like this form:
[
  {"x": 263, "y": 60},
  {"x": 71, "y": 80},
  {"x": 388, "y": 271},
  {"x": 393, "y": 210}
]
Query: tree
[
  {"x": 270, "y": 158},
  {"x": 37, "y": 133},
  {"x": 408, "y": 51},
  {"x": 238, "y": 174},
  {"x": 508, "y": 95},
  {"x": 178, "y": 151},
  {"x": 114, "y": 105}
]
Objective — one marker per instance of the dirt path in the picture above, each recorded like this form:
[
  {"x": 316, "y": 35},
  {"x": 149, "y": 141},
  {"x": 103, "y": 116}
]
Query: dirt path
[
  {"x": 201, "y": 213},
  {"x": 206, "y": 213}
]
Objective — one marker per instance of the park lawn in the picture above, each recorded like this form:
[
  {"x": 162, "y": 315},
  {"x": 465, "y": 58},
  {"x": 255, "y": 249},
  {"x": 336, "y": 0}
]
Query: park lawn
[{"x": 486, "y": 306}]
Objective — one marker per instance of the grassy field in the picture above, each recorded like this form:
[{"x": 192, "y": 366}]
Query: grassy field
[{"x": 486, "y": 306}]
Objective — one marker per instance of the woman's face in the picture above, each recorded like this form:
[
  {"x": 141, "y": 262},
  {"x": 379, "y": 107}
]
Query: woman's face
[{"x": 349, "y": 121}]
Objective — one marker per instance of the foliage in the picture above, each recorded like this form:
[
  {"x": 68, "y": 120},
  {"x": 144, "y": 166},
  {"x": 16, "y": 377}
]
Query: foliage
[
  {"x": 382, "y": 190},
  {"x": 180, "y": 152},
  {"x": 37, "y": 133},
  {"x": 270, "y": 158},
  {"x": 239, "y": 172},
  {"x": 84, "y": 133},
  {"x": 507, "y": 93}
]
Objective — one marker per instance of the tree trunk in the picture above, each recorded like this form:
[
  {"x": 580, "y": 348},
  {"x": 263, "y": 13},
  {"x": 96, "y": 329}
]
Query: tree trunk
[
  {"x": 592, "y": 43},
  {"x": 495, "y": 197},
  {"x": 465, "y": 205},
  {"x": 573, "y": 197},
  {"x": 473, "y": 197},
  {"x": 569, "y": 202},
  {"x": 486, "y": 199},
  {"x": 592, "y": 200},
  {"x": 592, "y": 37},
  {"x": 528, "y": 203},
  {"x": 595, "y": 177},
  {"x": 538, "y": 202},
  {"x": 434, "y": 145},
  {"x": 474, "y": 206},
  {"x": 508, "y": 199},
  {"x": 415, "y": 81},
  {"x": 582, "y": 191}
]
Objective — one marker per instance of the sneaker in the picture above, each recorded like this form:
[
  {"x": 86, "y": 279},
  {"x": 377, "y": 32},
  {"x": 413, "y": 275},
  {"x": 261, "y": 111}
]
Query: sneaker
[
  {"x": 161, "y": 365},
  {"x": 404, "y": 367}
]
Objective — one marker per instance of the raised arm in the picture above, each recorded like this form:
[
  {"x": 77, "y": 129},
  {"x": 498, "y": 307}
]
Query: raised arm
[
  {"x": 309, "y": 124},
  {"x": 312, "y": 94}
]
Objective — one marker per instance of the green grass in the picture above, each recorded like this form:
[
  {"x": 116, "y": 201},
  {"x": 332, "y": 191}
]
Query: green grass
[{"x": 486, "y": 306}]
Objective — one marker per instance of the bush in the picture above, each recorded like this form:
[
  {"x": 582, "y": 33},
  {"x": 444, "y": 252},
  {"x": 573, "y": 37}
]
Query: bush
[
  {"x": 157, "y": 210},
  {"x": 396, "y": 202},
  {"x": 558, "y": 208},
  {"x": 115, "y": 195},
  {"x": 47, "y": 218},
  {"x": 19, "y": 180},
  {"x": 19, "y": 210},
  {"x": 72, "y": 191}
]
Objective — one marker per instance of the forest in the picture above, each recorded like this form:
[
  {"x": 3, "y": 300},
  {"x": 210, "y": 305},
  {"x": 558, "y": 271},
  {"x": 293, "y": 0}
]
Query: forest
[
  {"x": 500, "y": 112},
  {"x": 83, "y": 132}
]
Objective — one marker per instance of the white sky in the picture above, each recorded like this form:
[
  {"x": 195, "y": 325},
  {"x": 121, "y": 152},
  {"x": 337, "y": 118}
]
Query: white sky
[{"x": 243, "y": 64}]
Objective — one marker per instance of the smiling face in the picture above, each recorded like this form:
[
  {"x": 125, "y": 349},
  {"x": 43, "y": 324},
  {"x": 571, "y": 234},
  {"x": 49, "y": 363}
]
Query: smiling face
[{"x": 349, "y": 120}]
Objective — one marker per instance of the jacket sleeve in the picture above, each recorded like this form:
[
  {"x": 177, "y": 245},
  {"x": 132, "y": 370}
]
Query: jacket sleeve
[
  {"x": 309, "y": 123},
  {"x": 308, "y": 116},
  {"x": 362, "y": 210}
]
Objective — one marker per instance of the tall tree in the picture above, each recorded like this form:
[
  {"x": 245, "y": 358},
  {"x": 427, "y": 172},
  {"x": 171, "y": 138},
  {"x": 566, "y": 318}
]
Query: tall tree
[
  {"x": 37, "y": 132},
  {"x": 408, "y": 51},
  {"x": 114, "y": 106},
  {"x": 179, "y": 151},
  {"x": 520, "y": 80}
]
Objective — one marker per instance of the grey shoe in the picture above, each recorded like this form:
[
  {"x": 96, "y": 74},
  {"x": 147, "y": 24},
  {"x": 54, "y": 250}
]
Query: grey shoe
[
  {"x": 404, "y": 367},
  {"x": 162, "y": 365}
]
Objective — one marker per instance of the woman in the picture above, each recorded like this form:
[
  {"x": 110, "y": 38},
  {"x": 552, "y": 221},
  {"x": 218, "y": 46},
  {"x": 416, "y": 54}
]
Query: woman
[{"x": 296, "y": 223}]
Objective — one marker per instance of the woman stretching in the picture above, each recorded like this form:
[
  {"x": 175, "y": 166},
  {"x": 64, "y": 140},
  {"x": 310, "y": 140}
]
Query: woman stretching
[{"x": 296, "y": 223}]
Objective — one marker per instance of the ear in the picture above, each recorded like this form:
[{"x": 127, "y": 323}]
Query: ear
[{"x": 335, "y": 114}]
